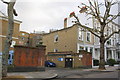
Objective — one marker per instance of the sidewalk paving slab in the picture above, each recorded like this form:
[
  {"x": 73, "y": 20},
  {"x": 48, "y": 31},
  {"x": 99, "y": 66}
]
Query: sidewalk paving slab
[
  {"x": 108, "y": 69},
  {"x": 30, "y": 75}
]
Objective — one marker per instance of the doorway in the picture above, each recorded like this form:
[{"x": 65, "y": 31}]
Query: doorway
[{"x": 68, "y": 62}]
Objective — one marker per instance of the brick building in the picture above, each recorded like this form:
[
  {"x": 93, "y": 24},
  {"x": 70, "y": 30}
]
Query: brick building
[
  {"x": 69, "y": 39},
  {"x": 23, "y": 38}
]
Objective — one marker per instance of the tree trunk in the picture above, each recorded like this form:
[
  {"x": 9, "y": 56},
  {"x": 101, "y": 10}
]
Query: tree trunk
[
  {"x": 8, "y": 40},
  {"x": 102, "y": 60}
]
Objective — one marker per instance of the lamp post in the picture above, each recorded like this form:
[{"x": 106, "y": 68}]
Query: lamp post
[{"x": 8, "y": 41}]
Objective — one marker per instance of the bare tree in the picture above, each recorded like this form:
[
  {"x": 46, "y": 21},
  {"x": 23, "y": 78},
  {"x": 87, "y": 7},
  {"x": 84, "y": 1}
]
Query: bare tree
[
  {"x": 93, "y": 9},
  {"x": 8, "y": 40}
]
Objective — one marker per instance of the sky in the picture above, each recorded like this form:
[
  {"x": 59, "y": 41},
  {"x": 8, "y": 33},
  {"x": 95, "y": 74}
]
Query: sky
[{"x": 42, "y": 15}]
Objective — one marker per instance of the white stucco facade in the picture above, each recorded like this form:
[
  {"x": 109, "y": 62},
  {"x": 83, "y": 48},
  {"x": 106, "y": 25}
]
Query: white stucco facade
[{"x": 110, "y": 48}]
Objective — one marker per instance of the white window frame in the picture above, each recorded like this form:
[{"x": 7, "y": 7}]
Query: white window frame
[
  {"x": 86, "y": 47},
  {"x": 89, "y": 37},
  {"x": 80, "y": 34},
  {"x": 55, "y": 50},
  {"x": 56, "y": 36},
  {"x": 90, "y": 49}
]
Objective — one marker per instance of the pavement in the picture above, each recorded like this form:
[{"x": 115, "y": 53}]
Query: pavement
[
  {"x": 108, "y": 69},
  {"x": 41, "y": 75},
  {"x": 51, "y": 73}
]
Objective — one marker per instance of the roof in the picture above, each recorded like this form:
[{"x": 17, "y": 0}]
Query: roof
[
  {"x": 61, "y": 29},
  {"x": 24, "y": 32}
]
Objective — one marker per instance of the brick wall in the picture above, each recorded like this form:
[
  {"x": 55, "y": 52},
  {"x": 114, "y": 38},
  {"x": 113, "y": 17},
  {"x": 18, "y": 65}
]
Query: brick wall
[
  {"x": 84, "y": 61},
  {"x": 29, "y": 56}
]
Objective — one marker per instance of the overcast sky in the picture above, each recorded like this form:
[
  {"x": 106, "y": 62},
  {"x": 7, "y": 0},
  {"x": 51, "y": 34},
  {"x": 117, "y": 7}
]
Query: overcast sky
[{"x": 42, "y": 15}]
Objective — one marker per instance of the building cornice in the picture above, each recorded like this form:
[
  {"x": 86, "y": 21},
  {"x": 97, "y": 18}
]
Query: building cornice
[{"x": 5, "y": 37}]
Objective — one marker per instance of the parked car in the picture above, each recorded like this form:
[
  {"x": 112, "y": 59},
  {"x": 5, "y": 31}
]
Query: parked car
[{"x": 49, "y": 63}]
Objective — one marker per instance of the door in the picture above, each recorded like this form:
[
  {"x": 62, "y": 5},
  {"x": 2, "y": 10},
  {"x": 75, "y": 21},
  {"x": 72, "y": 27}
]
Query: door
[{"x": 68, "y": 62}]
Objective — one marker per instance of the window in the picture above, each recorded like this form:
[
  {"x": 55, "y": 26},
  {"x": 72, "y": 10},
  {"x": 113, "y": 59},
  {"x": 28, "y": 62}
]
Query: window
[
  {"x": 88, "y": 36},
  {"x": 23, "y": 38},
  {"x": 86, "y": 48},
  {"x": 56, "y": 38},
  {"x": 55, "y": 50},
  {"x": 109, "y": 42},
  {"x": 80, "y": 34},
  {"x": 23, "y": 34},
  {"x": 81, "y": 48},
  {"x": 91, "y": 49}
]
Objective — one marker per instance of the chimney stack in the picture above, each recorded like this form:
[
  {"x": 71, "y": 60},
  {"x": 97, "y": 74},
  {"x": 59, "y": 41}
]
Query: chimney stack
[{"x": 65, "y": 23}]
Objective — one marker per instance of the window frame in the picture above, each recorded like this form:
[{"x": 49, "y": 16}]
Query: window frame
[
  {"x": 89, "y": 37},
  {"x": 56, "y": 37},
  {"x": 80, "y": 34}
]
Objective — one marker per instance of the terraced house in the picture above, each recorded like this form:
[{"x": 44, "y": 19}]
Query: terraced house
[
  {"x": 69, "y": 39},
  {"x": 75, "y": 38},
  {"x": 111, "y": 44}
]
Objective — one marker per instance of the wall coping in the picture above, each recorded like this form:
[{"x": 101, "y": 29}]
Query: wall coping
[
  {"x": 42, "y": 46},
  {"x": 68, "y": 53}
]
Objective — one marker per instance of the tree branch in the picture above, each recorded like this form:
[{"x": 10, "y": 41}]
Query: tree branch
[
  {"x": 94, "y": 10},
  {"x": 107, "y": 11},
  {"x": 5, "y": 2},
  {"x": 112, "y": 35},
  {"x": 85, "y": 27},
  {"x": 114, "y": 17},
  {"x": 11, "y": 2},
  {"x": 14, "y": 12}
]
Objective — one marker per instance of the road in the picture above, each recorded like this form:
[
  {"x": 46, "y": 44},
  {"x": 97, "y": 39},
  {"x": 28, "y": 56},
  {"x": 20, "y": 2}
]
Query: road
[
  {"x": 79, "y": 73},
  {"x": 68, "y": 73}
]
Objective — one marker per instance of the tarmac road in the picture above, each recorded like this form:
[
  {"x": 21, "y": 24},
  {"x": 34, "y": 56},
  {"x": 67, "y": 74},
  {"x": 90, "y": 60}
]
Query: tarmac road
[
  {"x": 79, "y": 73},
  {"x": 67, "y": 73}
]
